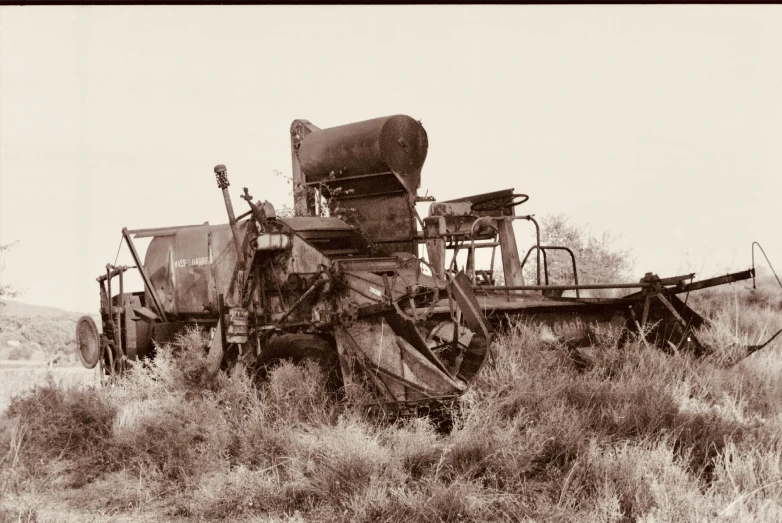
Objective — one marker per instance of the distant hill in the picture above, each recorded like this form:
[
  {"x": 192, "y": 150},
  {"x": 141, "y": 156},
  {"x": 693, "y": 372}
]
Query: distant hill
[
  {"x": 18, "y": 309},
  {"x": 35, "y": 332}
]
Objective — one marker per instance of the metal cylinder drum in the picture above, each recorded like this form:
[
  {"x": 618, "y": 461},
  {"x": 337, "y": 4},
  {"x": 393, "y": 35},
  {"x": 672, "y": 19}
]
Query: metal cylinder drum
[{"x": 396, "y": 144}]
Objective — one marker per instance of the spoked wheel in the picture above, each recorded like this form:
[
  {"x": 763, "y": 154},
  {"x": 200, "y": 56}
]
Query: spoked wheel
[{"x": 298, "y": 349}]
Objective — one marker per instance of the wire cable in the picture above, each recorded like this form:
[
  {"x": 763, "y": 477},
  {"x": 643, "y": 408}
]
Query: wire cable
[
  {"x": 118, "y": 248},
  {"x": 767, "y": 261}
]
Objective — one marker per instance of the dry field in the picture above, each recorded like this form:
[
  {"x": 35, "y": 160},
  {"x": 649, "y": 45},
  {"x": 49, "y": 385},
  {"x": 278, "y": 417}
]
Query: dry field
[
  {"x": 637, "y": 435},
  {"x": 18, "y": 376}
]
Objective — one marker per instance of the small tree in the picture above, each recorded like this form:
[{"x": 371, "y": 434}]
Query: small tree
[
  {"x": 598, "y": 261},
  {"x": 7, "y": 291},
  {"x": 285, "y": 210}
]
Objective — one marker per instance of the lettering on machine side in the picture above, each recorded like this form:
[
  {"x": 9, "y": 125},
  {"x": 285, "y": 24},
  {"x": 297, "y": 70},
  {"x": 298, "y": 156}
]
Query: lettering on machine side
[
  {"x": 192, "y": 262},
  {"x": 575, "y": 325}
]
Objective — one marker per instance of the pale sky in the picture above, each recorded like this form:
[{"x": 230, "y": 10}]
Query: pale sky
[{"x": 659, "y": 124}]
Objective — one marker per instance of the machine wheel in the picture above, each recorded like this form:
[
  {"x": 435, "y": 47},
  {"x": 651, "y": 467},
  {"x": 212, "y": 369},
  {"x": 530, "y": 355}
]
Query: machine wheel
[
  {"x": 106, "y": 366},
  {"x": 87, "y": 342},
  {"x": 298, "y": 349}
]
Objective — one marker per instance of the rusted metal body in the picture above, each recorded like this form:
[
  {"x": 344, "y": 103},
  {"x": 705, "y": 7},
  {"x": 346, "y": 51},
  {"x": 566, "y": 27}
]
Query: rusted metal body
[
  {"x": 369, "y": 171},
  {"x": 366, "y": 289}
]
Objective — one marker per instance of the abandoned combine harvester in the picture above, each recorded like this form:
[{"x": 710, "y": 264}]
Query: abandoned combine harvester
[{"x": 352, "y": 289}]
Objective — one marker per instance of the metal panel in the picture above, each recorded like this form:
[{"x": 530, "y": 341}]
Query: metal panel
[
  {"x": 316, "y": 224},
  {"x": 388, "y": 221},
  {"x": 187, "y": 272},
  {"x": 404, "y": 371}
]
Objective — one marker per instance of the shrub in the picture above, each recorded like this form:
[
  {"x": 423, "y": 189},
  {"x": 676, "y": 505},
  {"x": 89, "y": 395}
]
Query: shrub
[
  {"x": 633, "y": 435},
  {"x": 69, "y": 424},
  {"x": 22, "y": 352}
]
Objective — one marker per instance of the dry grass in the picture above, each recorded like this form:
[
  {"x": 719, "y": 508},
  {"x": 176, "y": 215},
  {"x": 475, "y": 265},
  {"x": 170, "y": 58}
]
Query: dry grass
[
  {"x": 633, "y": 435},
  {"x": 17, "y": 377}
]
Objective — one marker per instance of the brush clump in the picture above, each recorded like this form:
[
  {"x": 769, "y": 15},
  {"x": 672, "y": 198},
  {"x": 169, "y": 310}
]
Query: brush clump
[{"x": 623, "y": 433}]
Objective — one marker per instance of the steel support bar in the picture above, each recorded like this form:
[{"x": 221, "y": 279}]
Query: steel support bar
[
  {"x": 672, "y": 310},
  {"x": 244, "y": 215},
  {"x": 160, "y": 231},
  {"x": 544, "y": 248},
  {"x": 120, "y": 311},
  {"x": 114, "y": 271},
  {"x": 562, "y": 287},
  {"x": 232, "y": 222},
  {"x": 712, "y": 282},
  {"x": 144, "y": 276},
  {"x": 315, "y": 286},
  {"x": 675, "y": 280}
]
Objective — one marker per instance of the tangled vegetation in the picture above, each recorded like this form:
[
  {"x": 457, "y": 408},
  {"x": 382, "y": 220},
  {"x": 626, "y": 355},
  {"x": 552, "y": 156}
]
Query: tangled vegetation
[{"x": 633, "y": 435}]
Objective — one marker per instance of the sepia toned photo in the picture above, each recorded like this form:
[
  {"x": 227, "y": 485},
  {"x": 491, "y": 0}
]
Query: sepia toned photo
[{"x": 409, "y": 263}]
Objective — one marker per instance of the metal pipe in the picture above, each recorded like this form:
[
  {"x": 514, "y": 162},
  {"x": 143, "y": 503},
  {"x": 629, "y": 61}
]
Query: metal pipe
[
  {"x": 120, "y": 310},
  {"x": 544, "y": 248},
  {"x": 719, "y": 280},
  {"x": 491, "y": 265},
  {"x": 537, "y": 239},
  {"x": 108, "y": 280},
  {"x": 471, "y": 248},
  {"x": 114, "y": 321},
  {"x": 767, "y": 261},
  {"x": 115, "y": 271},
  {"x": 315, "y": 286},
  {"x": 244, "y": 215},
  {"x": 223, "y": 184},
  {"x": 524, "y": 261},
  {"x": 477, "y": 245},
  {"x": 545, "y": 265},
  {"x": 663, "y": 282},
  {"x": 564, "y": 287},
  {"x": 160, "y": 231},
  {"x": 473, "y": 229},
  {"x": 573, "y": 259}
]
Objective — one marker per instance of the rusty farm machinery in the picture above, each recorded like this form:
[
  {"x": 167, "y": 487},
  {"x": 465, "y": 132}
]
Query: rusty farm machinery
[{"x": 359, "y": 282}]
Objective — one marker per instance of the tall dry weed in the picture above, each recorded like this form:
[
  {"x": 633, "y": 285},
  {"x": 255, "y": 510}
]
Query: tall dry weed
[{"x": 623, "y": 434}]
